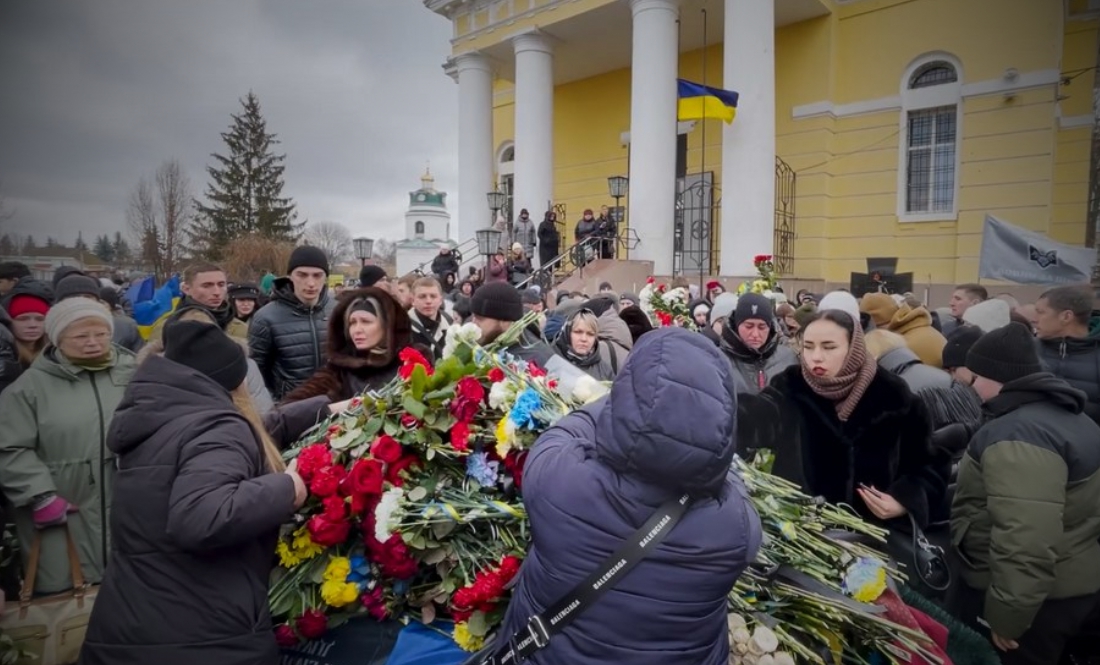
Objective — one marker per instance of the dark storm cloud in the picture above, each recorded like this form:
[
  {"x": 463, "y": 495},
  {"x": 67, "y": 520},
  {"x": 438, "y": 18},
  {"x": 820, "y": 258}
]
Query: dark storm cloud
[{"x": 97, "y": 94}]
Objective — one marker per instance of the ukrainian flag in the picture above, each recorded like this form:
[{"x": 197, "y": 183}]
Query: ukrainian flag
[
  {"x": 698, "y": 102},
  {"x": 159, "y": 305}
]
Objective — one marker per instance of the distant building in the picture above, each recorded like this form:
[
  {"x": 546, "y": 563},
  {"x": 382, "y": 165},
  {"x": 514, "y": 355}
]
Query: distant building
[
  {"x": 44, "y": 261},
  {"x": 427, "y": 227}
]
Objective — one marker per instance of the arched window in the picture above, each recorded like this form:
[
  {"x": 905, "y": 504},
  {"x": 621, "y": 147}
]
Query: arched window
[
  {"x": 928, "y": 175},
  {"x": 418, "y": 229}
]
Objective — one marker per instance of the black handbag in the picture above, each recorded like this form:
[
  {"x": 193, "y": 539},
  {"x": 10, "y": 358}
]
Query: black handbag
[
  {"x": 923, "y": 555},
  {"x": 544, "y": 625}
]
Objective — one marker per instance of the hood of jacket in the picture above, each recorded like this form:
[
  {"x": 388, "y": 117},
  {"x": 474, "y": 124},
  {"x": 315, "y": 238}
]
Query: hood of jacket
[
  {"x": 898, "y": 359},
  {"x": 671, "y": 371},
  {"x": 160, "y": 394},
  {"x": 614, "y": 329},
  {"x": 283, "y": 291},
  {"x": 341, "y": 351},
  {"x": 1038, "y": 387},
  {"x": 909, "y": 318}
]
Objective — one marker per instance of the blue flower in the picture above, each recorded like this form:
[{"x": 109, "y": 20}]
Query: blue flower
[
  {"x": 360, "y": 571},
  {"x": 523, "y": 411},
  {"x": 481, "y": 469}
]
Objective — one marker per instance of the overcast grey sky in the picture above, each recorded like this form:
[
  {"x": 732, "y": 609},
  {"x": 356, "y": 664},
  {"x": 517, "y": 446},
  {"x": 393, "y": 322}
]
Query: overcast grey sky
[{"x": 97, "y": 94}]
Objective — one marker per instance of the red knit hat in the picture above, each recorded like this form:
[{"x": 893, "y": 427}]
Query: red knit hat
[{"x": 27, "y": 304}]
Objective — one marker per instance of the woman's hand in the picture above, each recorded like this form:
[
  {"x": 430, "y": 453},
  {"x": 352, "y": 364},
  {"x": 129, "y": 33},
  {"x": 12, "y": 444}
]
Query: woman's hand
[
  {"x": 881, "y": 505},
  {"x": 300, "y": 491},
  {"x": 1003, "y": 643}
]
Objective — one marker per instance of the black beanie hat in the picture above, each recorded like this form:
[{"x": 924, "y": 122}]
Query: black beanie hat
[
  {"x": 753, "y": 306},
  {"x": 958, "y": 344},
  {"x": 76, "y": 284},
  {"x": 64, "y": 271},
  {"x": 205, "y": 348},
  {"x": 109, "y": 295},
  {"x": 371, "y": 275},
  {"x": 1004, "y": 354},
  {"x": 307, "y": 256},
  {"x": 497, "y": 300}
]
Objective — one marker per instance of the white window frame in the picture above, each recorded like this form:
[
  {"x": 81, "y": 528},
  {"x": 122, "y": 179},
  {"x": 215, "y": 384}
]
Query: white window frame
[{"x": 947, "y": 94}]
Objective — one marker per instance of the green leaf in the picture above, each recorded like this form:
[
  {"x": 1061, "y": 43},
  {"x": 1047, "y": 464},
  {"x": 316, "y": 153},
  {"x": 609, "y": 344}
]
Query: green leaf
[
  {"x": 372, "y": 428},
  {"x": 418, "y": 381},
  {"x": 435, "y": 556},
  {"x": 430, "y": 454},
  {"x": 392, "y": 428},
  {"x": 441, "y": 529},
  {"x": 477, "y": 625},
  {"x": 344, "y": 441},
  {"x": 418, "y": 493},
  {"x": 414, "y": 406}
]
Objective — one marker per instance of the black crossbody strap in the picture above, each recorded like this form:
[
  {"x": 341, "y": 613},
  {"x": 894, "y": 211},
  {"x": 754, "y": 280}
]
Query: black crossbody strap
[{"x": 541, "y": 626}]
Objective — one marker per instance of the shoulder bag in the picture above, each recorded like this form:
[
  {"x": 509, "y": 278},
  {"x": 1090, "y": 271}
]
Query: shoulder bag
[
  {"x": 551, "y": 621},
  {"x": 50, "y": 629}
]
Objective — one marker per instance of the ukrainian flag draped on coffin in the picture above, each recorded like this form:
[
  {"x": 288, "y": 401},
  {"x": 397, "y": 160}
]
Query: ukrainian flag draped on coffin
[{"x": 698, "y": 102}]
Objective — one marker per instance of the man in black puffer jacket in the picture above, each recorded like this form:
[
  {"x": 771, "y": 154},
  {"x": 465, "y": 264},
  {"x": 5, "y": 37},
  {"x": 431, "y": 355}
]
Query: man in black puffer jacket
[
  {"x": 287, "y": 336},
  {"x": 1066, "y": 347}
]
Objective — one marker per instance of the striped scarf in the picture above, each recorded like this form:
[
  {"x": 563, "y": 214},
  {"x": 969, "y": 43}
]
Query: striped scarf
[{"x": 847, "y": 387}]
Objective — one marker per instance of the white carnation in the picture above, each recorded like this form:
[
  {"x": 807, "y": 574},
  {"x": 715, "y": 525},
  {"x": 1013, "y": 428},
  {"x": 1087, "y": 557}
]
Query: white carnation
[
  {"x": 501, "y": 394},
  {"x": 588, "y": 389},
  {"x": 385, "y": 511},
  {"x": 467, "y": 334}
]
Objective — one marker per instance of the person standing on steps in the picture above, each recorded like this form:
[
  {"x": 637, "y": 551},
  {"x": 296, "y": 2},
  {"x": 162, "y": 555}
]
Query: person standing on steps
[
  {"x": 549, "y": 239},
  {"x": 287, "y": 337}
]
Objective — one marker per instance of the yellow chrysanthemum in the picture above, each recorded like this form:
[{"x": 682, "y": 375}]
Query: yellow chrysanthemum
[
  {"x": 338, "y": 593},
  {"x": 304, "y": 546},
  {"x": 467, "y": 640},
  {"x": 300, "y": 548},
  {"x": 506, "y": 436},
  {"x": 338, "y": 569}
]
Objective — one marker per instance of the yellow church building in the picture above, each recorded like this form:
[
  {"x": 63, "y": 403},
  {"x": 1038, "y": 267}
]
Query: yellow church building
[{"x": 865, "y": 128}]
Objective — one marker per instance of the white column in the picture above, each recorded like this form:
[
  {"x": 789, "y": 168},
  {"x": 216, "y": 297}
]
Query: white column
[
  {"x": 534, "y": 124},
  {"x": 653, "y": 130},
  {"x": 475, "y": 143},
  {"x": 748, "y": 144}
]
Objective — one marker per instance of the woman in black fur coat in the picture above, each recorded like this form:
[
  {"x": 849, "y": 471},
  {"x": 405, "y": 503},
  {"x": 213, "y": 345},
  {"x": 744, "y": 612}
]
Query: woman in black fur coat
[{"x": 844, "y": 429}]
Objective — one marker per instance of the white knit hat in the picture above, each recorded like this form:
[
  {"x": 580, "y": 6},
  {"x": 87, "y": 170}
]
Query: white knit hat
[
  {"x": 69, "y": 311},
  {"x": 843, "y": 301},
  {"x": 988, "y": 314},
  {"x": 724, "y": 304}
]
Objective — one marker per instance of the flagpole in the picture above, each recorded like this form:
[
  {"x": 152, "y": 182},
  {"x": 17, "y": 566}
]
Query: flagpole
[{"x": 703, "y": 162}]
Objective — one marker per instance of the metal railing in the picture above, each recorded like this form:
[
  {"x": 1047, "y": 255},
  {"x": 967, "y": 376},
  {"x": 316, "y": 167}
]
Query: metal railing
[
  {"x": 469, "y": 247},
  {"x": 575, "y": 258}
]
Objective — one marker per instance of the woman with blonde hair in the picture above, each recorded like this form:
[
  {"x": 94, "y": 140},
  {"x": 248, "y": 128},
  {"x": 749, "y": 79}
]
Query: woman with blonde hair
[
  {"x": 200, "y": 495},
  {"x": 580, "y": 343}
]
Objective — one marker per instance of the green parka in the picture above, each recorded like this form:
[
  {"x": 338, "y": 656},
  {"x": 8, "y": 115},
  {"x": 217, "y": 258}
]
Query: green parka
[
  {"x": 53, "y": 440},
  {"x": 1024, "y": 521}
]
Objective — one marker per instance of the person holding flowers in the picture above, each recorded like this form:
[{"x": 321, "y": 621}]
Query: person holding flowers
[
  {"x": 667, "y": 427},
  {"x": 200, "y": 493},
  {"x": 366, "y": 334},
  {"x": 845, "y": 429}
]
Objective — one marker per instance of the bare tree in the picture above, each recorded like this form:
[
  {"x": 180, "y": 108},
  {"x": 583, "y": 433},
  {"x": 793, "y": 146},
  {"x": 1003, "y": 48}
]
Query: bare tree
[
  {"x": 159, "y": 214},
  {"x": 385, "y": 252},
  {"x": 249, "y": 256},
  {"x": 6, "y": 213},
  {"x": 332, "y": 238}
]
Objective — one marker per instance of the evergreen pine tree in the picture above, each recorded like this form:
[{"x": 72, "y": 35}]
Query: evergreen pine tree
[
  {"x": 103, "y": 249},
  {"x": 244, "y": 195},
  {"x": 80, "y": 245},
  {"x": 29, "y": 245},
  {"x": 51, "y": 242},
  {"x": 121, "y": 249},
  {"x": 7, "y": 246}
]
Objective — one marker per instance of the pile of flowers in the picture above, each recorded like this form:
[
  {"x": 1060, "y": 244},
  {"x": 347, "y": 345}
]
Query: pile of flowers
[
  {"x": 664, "y": 306},
  {"x": 415, "y": 512},
  {"x": 766, "y": 282}
]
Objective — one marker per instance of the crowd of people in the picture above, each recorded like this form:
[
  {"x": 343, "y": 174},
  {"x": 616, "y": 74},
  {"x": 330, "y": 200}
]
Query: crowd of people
[{"x": 975, "y": 424}]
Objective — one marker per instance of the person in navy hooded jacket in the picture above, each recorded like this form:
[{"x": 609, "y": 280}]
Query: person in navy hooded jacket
[{"x": 667, "y": 427}]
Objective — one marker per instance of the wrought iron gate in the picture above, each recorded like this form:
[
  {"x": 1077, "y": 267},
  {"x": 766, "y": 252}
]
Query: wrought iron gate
[
  {"x": 695, "y": 240},
  {"x": 783, "y": 252}
]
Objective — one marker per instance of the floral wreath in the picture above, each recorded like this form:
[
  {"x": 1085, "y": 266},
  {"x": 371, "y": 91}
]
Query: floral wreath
[{"x": 664, "y": 306}]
